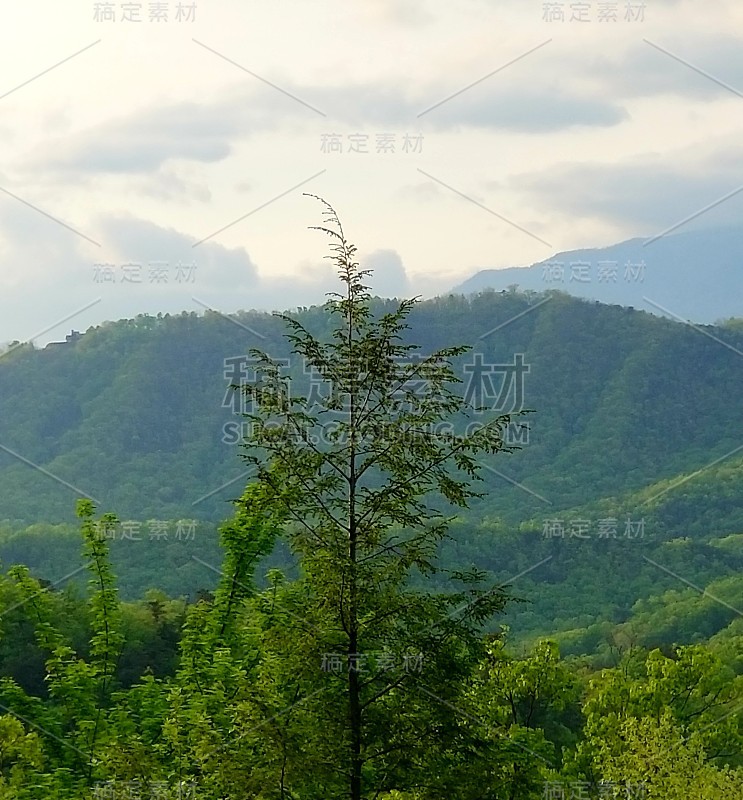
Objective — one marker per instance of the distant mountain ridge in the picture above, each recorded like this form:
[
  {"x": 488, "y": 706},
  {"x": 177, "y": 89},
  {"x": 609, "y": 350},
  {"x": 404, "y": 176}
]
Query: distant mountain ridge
[{"x": 695, "y": 275}]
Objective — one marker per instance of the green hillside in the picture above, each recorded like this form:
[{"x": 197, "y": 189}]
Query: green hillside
[
  {"x": 133, "y": 414},
  {"x": 636, "y": 420},
  {"x": 575, "y": 631}
]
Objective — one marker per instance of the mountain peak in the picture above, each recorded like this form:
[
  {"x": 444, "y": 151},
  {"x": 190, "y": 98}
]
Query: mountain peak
[{"x": 695, "y": 275}]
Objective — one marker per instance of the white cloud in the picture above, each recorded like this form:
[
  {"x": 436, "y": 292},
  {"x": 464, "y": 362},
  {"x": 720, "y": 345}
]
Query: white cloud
[{"x": 147, "y": 142}]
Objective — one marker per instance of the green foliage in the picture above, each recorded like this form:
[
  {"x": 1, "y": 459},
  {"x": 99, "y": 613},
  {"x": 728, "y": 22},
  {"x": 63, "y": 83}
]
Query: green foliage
[
  {"x": 670, "y": 722},
  {"x": 373, "y": 660},
  {"x": 618, "y": 394},
  {"x": 355, "y": 480}
]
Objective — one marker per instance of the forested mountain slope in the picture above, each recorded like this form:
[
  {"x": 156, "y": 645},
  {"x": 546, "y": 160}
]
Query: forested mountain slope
[
  {"x": 134, "y": 413},
  {"x": 637, "y": 420}
]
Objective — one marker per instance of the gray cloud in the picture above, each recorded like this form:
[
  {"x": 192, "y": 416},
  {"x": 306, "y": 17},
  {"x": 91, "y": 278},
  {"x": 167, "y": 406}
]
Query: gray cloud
[
  {"x": 389, "y": 278},
  {"x": 406, "y": 13},
  {"x": 29, "y": 241},
  {"x": 141, "y": 241},
  {"x": 645, "y": 193},
  {"x": 145, "y": 140},
  {"x": 206, "y": 132},
  {"x": 166, "y": 185},
  {"x": 58, "y": 276},
  {"x": 526, "y": 108},
  {"x": 642, "y": 70}
]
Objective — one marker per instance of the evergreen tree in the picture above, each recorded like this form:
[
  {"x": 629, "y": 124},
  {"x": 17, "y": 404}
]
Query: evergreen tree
[{"x": 355, "y": 476}]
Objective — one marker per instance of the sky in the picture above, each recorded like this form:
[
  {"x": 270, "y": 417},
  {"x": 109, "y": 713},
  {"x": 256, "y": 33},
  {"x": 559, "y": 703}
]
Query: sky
[{"x": 162, "y": 164}]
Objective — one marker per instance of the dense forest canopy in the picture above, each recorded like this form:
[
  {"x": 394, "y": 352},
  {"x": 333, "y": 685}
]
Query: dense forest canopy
[
  {"x": 482, "y": 548},
  {"x": 633, "y": 456}
]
